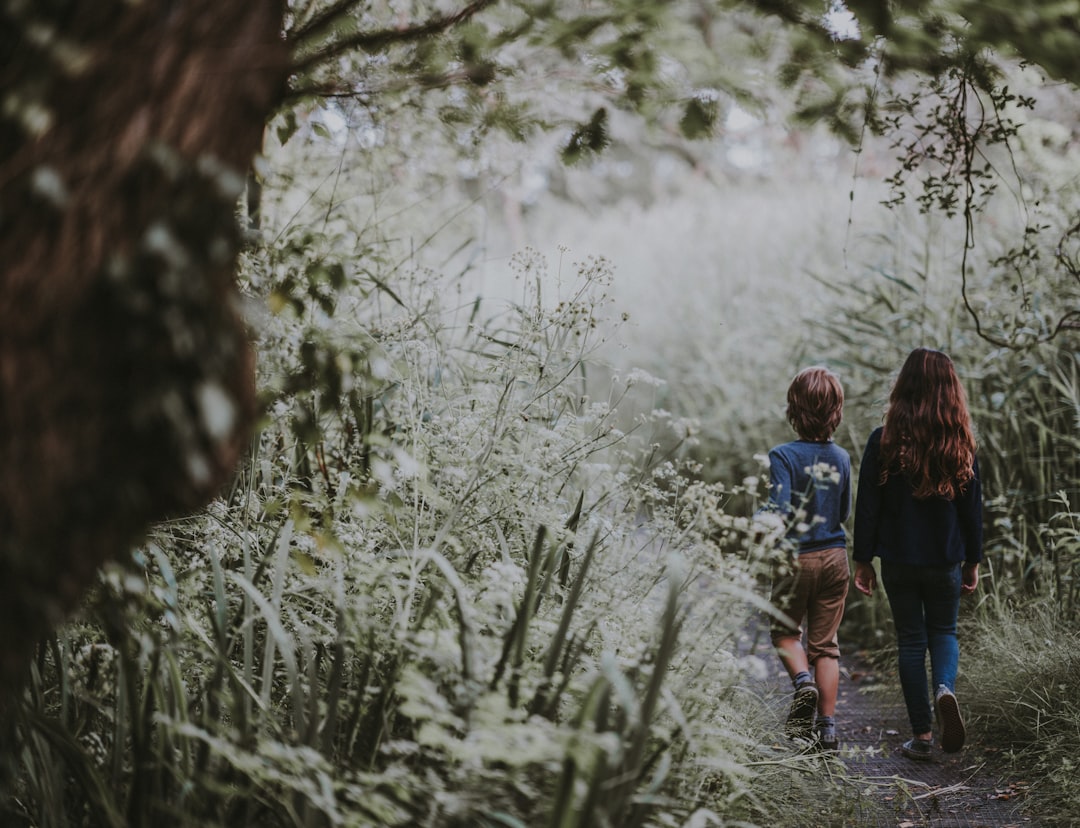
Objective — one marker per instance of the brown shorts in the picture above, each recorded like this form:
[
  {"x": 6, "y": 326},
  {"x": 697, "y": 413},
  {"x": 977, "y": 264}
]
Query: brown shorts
[{"x": 814, "y": 592}]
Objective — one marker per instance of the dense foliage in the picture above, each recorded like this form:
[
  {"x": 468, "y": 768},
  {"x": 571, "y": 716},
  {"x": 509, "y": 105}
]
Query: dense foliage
[
  {"x": 488, "y": 560},
  {"x": 445, "y": 589}
]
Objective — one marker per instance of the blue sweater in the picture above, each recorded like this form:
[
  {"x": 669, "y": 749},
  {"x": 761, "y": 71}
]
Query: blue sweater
[
  {"x": 890, "y": 523},
  {"x": 816, "y": 478}
]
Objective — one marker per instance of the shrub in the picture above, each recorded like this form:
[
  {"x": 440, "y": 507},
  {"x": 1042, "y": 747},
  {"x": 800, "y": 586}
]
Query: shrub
[{"x": 430, "y": 597}]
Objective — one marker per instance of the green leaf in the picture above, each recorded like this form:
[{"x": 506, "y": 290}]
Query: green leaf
[
  {"x": 698, "y": 119},
  {"x": 287, "y": 128},
  {"x": 587, "y": 139}
]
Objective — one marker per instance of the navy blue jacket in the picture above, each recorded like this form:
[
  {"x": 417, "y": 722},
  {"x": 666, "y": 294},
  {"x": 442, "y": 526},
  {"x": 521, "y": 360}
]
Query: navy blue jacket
[
  {"x": 814, "y": 477},
  {"x": 891, "y": 524}
]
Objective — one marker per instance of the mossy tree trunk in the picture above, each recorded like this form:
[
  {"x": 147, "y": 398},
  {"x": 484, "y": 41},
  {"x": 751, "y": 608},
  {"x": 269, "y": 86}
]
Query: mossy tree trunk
[{"x": 126, "y": 377}]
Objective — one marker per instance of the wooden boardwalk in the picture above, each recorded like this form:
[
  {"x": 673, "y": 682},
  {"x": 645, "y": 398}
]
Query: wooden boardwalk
[{"x": 969, "y": 789}]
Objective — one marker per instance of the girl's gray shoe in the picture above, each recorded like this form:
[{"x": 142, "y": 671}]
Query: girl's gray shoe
[{"x": 921, "y": 750}]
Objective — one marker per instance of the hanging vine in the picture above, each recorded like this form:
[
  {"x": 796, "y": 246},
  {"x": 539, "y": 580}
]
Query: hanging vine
[{"x": 957, "y": 133}]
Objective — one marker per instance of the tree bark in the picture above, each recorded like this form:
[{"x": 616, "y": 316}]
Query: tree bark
[{"x": 126, "y": 377}]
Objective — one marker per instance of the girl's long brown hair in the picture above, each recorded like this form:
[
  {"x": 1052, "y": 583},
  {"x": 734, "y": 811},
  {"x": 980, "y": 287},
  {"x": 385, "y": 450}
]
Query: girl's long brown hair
[{"x": 927, "y": 434}]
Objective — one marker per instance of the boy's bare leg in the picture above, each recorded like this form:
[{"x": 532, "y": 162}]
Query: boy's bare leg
[
  {"x": 792, "y": 655},
  {"x": 827, "y": 678}
]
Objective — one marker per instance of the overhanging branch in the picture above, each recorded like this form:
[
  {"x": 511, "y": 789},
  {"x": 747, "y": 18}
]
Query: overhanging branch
[
  {"x": 373, "y": 41},
  {"x": 337, "y": 91},
  {"x": 320, "y": 21}
]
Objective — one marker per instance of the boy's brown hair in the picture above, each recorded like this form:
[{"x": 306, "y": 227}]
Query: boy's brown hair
[{"x": 815, "y": 403}]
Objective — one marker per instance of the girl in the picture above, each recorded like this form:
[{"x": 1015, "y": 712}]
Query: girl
[{"x": 919, "y": 509}]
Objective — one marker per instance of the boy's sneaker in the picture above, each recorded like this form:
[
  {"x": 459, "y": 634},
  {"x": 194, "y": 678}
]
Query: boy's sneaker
[
  {"x": 921, "y": 750},
  {"x": 827, "y": 738},
  {"x": 800, "y": 721},
  {"x": 953, "y": 733}
]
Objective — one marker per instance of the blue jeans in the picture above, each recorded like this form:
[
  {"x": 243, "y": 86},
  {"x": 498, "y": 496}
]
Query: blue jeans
[{"x": 925, "y": 602}]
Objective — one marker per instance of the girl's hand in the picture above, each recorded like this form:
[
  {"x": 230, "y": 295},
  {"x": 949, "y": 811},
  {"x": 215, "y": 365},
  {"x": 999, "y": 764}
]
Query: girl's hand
[
  {"x": 865, "y": 578},
  {"x": 969, "y": 578}
]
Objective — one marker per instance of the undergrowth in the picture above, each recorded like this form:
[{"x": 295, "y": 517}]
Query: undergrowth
[
  {"x": 446, "y": 589},
  {"x": 1025, "y": 701},
  {"x": 1017, "y": 668}
]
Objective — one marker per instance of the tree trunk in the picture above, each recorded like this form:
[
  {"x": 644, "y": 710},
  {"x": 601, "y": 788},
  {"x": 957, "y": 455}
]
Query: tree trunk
[{"x": 126, "y": 377}]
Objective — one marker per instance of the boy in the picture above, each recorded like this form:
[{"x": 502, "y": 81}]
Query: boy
[{"x": 810, "y": 489}]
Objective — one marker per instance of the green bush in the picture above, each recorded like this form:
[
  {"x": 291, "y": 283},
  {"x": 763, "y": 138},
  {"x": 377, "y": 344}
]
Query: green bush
[{"x": 430, "y": 597}]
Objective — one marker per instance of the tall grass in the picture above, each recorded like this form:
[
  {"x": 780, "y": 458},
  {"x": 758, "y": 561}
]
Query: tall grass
[
  {"x": 429, "y": 598},
  {"x": 1018, "y": 671},
  {"x": 1024, "y": 402},
  {"x": 1024, "y": 697}
]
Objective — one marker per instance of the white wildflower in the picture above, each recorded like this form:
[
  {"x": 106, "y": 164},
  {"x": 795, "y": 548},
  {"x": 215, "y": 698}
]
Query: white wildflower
[
  {"x": 380, "y": 368},
  {"x": 823, "y": 473},
  {"x": 638, "y": 376},
  {"x": 685, "y": 427},
  {"x": 768, "y": 522},
  {"x": 407, "y": 466}
]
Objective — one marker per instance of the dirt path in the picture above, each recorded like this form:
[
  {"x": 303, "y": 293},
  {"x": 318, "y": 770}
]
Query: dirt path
[{"x": 969, "y": 789}]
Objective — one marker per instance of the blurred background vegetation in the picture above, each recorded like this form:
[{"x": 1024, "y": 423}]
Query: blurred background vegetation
[{"x": 489, "y": 561}]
